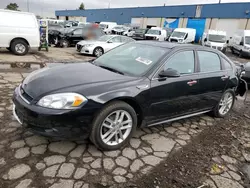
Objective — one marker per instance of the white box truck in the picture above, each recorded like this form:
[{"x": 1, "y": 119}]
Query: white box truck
[
  {"x": 240, "y": 43},
  {"x": 19, "y": 31},
  {"x": 183, "y": 35}
]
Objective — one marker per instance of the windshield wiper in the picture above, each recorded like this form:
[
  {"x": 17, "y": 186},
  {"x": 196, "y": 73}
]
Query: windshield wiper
[{"x": 111, "y": 69}]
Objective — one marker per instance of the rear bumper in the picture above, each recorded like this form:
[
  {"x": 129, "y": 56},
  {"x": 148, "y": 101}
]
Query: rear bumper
[{"x": 62, "y": 124}]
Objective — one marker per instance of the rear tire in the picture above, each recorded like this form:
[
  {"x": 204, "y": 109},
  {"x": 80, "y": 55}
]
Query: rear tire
[
  {"x": 226, "y": 102},
  {"x": 111, "y": 112},
  {"x": 19, "y": 47}
]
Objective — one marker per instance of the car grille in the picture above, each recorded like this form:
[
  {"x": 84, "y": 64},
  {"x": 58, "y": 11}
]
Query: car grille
[
  {"x": 117, "y": 33},
  {"x": 215, "y": 47},
  {"x": 25, "y": 96},
  {"x": 150, "y": 38},
  {"x": 79, "y": 47},
  {"x": 173, "y": 40}
]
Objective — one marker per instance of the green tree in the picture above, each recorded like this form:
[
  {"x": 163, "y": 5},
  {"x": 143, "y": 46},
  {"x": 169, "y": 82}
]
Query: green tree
[
  {"x": 82, "y": 7},
  {"x": 12, "y": 6}
]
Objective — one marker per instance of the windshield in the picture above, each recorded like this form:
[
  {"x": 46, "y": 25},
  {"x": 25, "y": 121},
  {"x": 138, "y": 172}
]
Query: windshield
[
  {"x": 154, "y": 32},
  {"x": 131, "y": 58},
  {"x": 140, "y": 30},
  {"x": 217, "y": 38},
  {"x": 178, "y": 34},
  {"x": 247, "y": 40},
  {"x": 105, "y": 38},
  {"x": 119, "y": 27},
  {"x": 103, "y": 26}
]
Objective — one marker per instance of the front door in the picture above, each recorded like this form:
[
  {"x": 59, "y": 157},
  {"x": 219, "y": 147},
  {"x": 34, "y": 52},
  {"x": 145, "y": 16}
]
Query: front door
[
  {"x": 172, "y": 97},
  {"x": 114, "y": 42},
  {"x": 213, "y": 80}
]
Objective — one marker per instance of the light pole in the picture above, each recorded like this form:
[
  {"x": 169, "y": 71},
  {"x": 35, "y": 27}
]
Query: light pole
[
  {"x": 28, "y": 5},
  {"x": 109, "y": 3}
]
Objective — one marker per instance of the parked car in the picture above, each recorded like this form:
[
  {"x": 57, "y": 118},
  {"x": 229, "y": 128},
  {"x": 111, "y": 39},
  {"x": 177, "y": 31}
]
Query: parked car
[
  {"x": 156, "y": 33},
  {"x": 19, "y": 31},
  {"x": 240, "y": 43},
  {"x": 138, "y": 84},
  {"x": 140, "y": 34},
  {"x": 53, "y": 31},
  {"x": 72, "y": 37},
  {"x": 129, "y": 32},
  {"x": 101, "y": 45},
  {"x": 107, "y": 26},
  {"x": 119, "y": 30},
  {"x": 183, "y": 35},
  {"x": 215, "y": 39}
]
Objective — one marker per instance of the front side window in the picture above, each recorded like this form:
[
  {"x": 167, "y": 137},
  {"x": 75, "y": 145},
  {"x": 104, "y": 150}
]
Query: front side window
[
  {"x": 183, "y": 62},
  {"x": 209, "y": 61},
  {"x": 247, "y": 40},
  {"x": 132, "y": 58},
  {"x": 116, "y": 39}
]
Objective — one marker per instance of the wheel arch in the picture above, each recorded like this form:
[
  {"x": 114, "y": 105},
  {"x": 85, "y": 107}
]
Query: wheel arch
[
  {"x": 19, "y": 38},
  {"x": 98, "y": 47},
  {"x": 134, "y": 104}
]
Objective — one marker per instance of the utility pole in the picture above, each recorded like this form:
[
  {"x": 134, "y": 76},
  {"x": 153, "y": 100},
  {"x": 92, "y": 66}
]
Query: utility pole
[
  {"x": 28, "y": 5},
  {"x": 219, "y": 1},
  {"x": 109, "y": 4}
]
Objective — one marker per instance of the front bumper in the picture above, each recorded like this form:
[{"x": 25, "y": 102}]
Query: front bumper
[
  {"x": 84, "y": 50},
  {"x": 61, "y": 124}
]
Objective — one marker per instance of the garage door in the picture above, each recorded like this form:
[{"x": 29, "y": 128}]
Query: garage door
[
  {"x": 228, "y": 25},
  {"x": 136, "y": 21},
  {"x": 199, "y": 25},
  {"x": 153, "y": 22}
]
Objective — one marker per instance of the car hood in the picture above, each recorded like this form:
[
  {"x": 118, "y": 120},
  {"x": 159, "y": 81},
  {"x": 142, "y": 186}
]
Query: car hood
[
  {"x": 49, "y": 80},
  {"x": 83, "y": 42}
]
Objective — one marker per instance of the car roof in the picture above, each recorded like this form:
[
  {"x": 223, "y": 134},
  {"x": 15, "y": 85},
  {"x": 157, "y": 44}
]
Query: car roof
[{"x": 170, "y": 45}]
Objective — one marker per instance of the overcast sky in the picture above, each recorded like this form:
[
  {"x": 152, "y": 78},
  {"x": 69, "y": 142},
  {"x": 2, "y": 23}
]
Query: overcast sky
[{"x": 48, "y": 7}]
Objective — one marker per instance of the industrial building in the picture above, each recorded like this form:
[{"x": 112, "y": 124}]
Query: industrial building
[{"x": 228, "y": 17}]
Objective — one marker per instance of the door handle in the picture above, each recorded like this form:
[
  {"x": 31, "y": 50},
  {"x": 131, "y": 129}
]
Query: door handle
[
  {"x": 192, "y": 82},
  {"x": 224, "y": 77}
]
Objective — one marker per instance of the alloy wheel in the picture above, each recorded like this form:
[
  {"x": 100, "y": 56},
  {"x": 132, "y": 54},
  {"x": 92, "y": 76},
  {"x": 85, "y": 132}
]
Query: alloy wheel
[
  {"x": 98, "y": 52},
  {"x": 226, "y": 103},
  {"x": 20, "y": 48},
  {"x": 116, "y": 127}
]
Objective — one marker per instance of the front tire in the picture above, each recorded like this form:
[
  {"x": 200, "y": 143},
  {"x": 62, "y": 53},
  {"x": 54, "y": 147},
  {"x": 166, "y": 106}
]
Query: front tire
[
  {"x": 64, "y": 43},
  {"x": 19, "y": 47},
  {"x": 113, "y": 127},
  {"x": 98, "y": 51},
  {"x": 225, "y": 105}
]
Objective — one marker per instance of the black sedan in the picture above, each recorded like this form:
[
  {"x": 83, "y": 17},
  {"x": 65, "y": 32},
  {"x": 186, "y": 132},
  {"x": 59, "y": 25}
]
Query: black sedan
[{"x": 138, "y": 84}]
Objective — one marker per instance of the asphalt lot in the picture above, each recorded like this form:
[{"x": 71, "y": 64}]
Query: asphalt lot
[{"x": 28, "y": 160}]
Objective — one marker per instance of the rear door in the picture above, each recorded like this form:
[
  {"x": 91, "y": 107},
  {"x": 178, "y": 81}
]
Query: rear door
[{"x": 212, "y": 78}]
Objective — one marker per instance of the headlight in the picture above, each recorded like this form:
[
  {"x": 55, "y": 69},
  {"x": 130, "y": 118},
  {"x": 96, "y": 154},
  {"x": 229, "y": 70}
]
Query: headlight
[
  {"x": 62, "y": 101},
  {"x": 180, "y": 40},
  {"x": 88, "y": 45},
  {"x": 208, "y": 43}
]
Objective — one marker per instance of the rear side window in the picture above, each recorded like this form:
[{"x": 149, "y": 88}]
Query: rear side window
[
  {"x": 227, "y": 65},
  {"x": 209, "y": 61}
]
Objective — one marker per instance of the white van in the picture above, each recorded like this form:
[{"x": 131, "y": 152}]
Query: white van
[
  {"x": 240, "y": 43},
  {"x": 215, "y": 39},
  {"x": 156, "y": 33},
  {"x": 19, "y": 31},
  {"x": 183, "y": 35},
  {"x": 107, "y": 26}
]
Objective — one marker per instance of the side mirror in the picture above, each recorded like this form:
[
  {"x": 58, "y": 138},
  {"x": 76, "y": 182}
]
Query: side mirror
[
  {"x": 227, "y": 41},
  {"x": 241, "y": 43},
  {"x": 72, "y": 33},
  {"x": 171, "y": 73},
  {"x": 109, "y": 41},
  {"x": 205, "y": 40}
]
